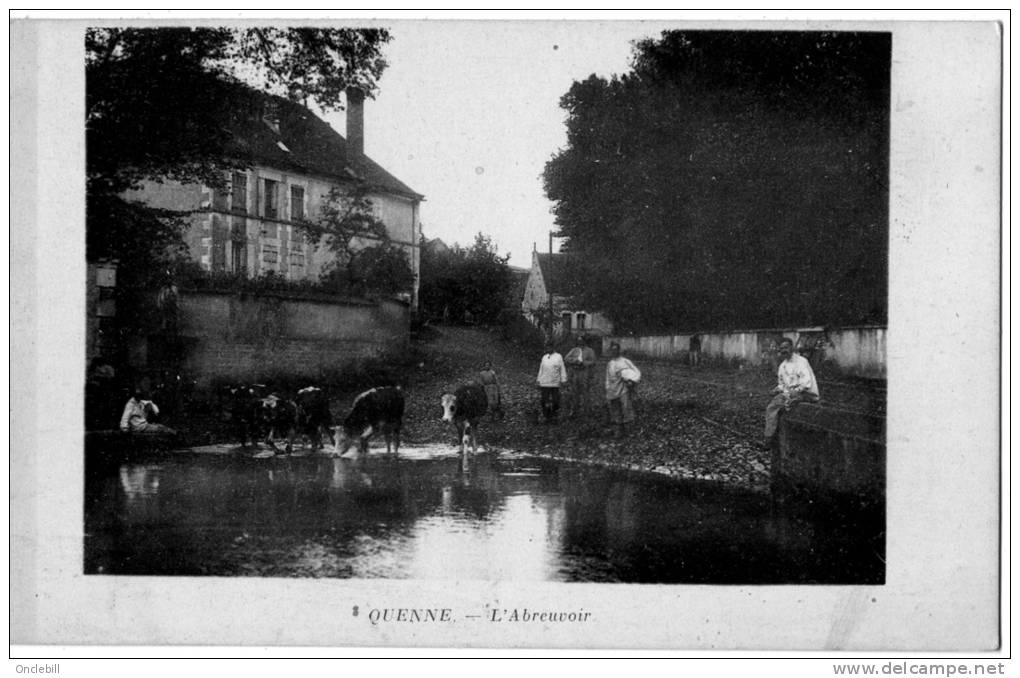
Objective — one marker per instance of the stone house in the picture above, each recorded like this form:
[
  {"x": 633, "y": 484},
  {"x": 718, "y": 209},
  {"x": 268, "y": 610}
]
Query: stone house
[
  {"x": 545, "y": 294},
  {"x": 294, "y": 159}
]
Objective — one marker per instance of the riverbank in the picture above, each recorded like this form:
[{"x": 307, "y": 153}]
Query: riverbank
[
  {"x": 692, "y": 423},
  {"x": 681, "y": 430}
]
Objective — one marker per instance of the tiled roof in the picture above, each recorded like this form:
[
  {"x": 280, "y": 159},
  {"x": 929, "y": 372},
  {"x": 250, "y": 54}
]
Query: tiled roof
[
  {"x": 304, "y": 143},
  {"x": 520, "y": 283},
  {"x": 553, "y": 272}
]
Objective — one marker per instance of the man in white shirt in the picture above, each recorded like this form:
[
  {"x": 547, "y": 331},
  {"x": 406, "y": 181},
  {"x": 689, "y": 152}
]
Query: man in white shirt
[
  {"x": 552, "y": 374},
  {"x": 796, "y": 384}
]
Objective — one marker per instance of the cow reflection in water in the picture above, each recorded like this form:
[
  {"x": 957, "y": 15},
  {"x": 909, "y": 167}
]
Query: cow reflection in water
[{"x": 349, "y": 475}]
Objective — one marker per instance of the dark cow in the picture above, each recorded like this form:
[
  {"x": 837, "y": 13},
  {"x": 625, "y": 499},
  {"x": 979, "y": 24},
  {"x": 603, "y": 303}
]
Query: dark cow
[
  {"x": 465, "y": 408},
  {"x": 242, "y": 404},
  {"x": 313, "y": 415},
  {"x": 378, "y": 409},
  {"x": 278, "y": 417}
]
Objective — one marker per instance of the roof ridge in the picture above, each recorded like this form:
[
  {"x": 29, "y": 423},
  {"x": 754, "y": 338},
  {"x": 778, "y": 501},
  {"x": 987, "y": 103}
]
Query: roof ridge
[{"x": 309, "y": 143}]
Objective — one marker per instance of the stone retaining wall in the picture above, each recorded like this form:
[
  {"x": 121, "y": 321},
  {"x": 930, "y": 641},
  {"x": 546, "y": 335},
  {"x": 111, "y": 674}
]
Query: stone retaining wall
[{"x": 242, "y": 337}]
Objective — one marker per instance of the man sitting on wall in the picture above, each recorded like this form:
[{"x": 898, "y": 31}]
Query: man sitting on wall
[{"x": 796, "y": 384}]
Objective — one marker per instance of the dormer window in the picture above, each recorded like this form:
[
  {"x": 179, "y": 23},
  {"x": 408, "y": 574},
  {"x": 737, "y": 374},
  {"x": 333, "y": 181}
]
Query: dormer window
[{"x": 271, "y": 116}]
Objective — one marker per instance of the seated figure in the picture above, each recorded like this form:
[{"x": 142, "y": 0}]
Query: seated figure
[
  {"x": 137, "y": 414},
  {"x": 796, "y": 383}
]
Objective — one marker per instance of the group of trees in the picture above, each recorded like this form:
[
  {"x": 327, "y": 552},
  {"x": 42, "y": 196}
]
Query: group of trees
[
  {"x": 730, "y": 179},
  {"x": 155, "y": 106},
  {"x": 458, "y": 283}
]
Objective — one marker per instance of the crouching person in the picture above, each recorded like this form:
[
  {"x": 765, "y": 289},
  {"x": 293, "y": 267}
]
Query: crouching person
[
  {"x": 138, "y": 414},
  {"x": 796, "y": 384},
  {"x": 622, "y": 376}
]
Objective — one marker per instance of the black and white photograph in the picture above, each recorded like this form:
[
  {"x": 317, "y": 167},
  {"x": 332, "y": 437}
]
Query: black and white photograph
[{"x": 390, "y": 312}]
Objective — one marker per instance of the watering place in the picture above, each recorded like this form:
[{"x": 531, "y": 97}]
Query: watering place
[{"x": 429, "y": 513}]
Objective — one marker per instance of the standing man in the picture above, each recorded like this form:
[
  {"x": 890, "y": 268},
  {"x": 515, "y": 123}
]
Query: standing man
[
  {"x": 552, "y": 374},
  {"x": 581, "y": 370},
  {"x": 796, "y": 384},
  {"x": 621, "y": 378}
]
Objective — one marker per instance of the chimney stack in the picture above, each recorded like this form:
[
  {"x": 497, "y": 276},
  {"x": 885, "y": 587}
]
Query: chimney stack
[
  {"x": 356, "y": 121},
  {"x": 550, "y": 242}
]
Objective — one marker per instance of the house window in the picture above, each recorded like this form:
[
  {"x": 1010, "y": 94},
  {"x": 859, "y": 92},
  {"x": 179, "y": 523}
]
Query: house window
[
  {"x": 582, "y": 321},
  {"x": 566, "y": 321},
  {"x": 271, "y": 199},
  {"x": 297, "y": 203},
  {"x": 239, "y": 192},
  {"x": 270, "y": 253}
]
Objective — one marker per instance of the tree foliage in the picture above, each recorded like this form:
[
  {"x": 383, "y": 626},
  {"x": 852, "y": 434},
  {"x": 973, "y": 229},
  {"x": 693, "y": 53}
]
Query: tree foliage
[
  {"x": 155, "y": 101},
  {"x": 476, "y": 280},
  {"x": 365, "y": 260},
  {"x": 730, "y": 179},
  {"x": 155, "y": 97}
]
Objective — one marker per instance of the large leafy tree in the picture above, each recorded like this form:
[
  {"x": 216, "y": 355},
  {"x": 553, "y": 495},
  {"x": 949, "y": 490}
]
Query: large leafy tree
[
  {"x": 155, "y": 103},
  {"x": 730, "y": 179},
  {"x": 155, "y": 97}
]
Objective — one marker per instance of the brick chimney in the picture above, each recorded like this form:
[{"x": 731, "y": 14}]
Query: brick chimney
[{"x": 356, "y": 121}]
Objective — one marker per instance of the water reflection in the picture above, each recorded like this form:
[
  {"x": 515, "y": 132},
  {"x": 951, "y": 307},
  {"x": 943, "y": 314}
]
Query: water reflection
[{"x": 423, "y": 515}]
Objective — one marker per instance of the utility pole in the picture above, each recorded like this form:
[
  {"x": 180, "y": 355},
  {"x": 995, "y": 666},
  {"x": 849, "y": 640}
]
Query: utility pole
[{"x": 552, "y": 316}]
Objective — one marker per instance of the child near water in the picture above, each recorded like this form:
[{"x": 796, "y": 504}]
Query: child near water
[{"x": 489, "y": 381}]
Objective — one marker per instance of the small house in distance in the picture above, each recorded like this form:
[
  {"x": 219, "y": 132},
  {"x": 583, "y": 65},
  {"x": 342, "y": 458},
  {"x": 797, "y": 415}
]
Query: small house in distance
[{"x": 545, "y": 295}]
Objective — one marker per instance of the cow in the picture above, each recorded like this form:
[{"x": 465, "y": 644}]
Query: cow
[
  {"x": 313, "y": 415},
  {"x": 241, "y": 404},
  {"x": 378, "y": 409},
  {"x": 278, "y": 416},
  {"x": 465, "y": 407}
]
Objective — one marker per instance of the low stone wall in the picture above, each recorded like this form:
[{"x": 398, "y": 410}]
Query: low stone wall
[
  {"x": 830, "y": 454},
  {"x": 852, "y": 351},
  {"x": 243, "y": 337}
]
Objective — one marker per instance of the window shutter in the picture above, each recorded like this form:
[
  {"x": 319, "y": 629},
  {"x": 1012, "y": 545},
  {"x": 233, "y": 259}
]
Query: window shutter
[
  {"x": 218, "y": 253},
  {"x": 297, "y": 203},
  {"x": 239, "y": 193},
  {"x": 219, "y": 200}
]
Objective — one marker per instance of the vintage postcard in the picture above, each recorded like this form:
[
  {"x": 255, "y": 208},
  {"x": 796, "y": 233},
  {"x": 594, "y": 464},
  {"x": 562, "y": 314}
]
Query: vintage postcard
[{"x": 556, "y": 334}]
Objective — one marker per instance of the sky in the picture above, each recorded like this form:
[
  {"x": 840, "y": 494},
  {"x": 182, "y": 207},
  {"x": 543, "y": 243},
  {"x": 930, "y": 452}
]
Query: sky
[{"x": 468, "y": 114}]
